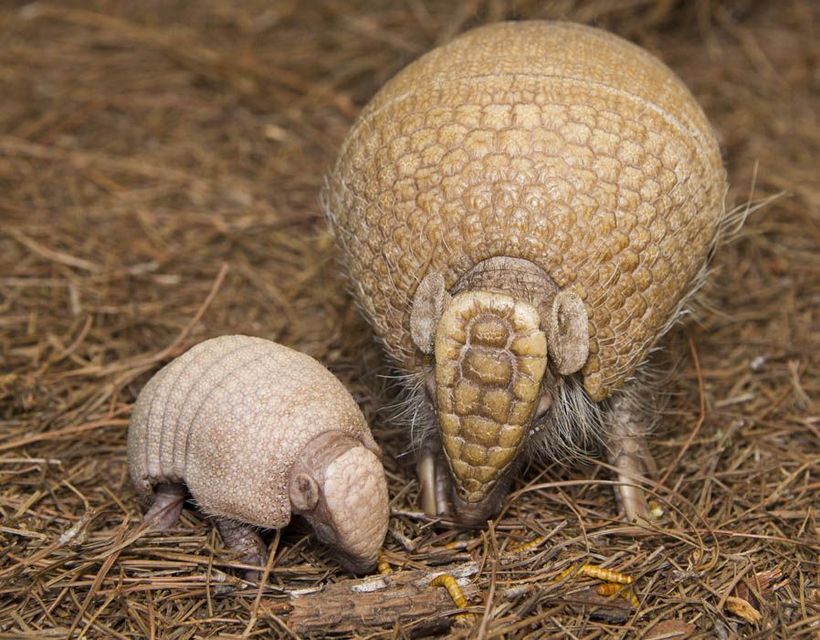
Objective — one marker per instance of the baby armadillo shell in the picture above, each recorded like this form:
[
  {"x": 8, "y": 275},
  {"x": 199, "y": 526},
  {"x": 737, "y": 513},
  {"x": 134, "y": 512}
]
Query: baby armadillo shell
[{"x": 229, "y": 417}]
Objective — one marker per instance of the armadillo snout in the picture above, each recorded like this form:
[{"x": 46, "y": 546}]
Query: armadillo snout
[{"x": 477, "y": 513}]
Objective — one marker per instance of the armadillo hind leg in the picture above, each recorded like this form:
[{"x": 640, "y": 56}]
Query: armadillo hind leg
[
  {"x": 167, "y": 505},
  {"x": 629, "y": 454},
  {"x": 243, "y": 539}
]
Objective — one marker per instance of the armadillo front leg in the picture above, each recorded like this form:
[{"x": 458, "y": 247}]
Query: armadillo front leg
[
  {"x": 245, "y": 540},
  {"x": 629, "y": 454},
  {"x": 434, "y": 481},
  {"x": 168, "y": 501}
]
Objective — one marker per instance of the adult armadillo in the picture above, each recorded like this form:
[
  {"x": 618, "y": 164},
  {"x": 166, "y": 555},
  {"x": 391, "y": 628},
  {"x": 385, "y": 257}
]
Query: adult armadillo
[
  {"x": 523, "y": 213},
  {"x": 255, "y": 431}
]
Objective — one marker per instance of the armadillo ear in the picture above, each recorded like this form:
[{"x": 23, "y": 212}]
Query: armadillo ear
[
  {"x": 428, "y": 305},
  {"x": 304, "y": 493},
  {"x": 568, "y": 333}
]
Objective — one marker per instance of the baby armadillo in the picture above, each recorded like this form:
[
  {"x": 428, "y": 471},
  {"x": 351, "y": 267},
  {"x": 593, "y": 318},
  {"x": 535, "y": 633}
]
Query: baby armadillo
[
  {"x": 257, "y": 431},
  {"x": 523, "y": 212}
]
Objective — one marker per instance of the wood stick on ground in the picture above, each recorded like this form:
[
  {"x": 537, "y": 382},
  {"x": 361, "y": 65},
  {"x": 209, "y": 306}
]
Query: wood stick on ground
[{"x": 403, "y": 597}]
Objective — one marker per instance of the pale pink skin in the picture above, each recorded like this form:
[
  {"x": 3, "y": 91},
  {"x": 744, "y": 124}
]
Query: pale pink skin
[{"x": 235, "y": 421}]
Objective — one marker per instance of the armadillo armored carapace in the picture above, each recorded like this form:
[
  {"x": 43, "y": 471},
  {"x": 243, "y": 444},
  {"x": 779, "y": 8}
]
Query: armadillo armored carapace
[
  {"x": 257, "y": 431},
  {"x": 523, "y": 212}
]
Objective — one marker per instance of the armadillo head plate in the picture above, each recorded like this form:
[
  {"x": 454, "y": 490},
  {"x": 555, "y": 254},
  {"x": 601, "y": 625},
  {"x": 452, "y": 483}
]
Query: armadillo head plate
[
  {"x": 339, "y": 486},
  {"x": 490, "y": 358},
  {"x": 355, "y": 493}
]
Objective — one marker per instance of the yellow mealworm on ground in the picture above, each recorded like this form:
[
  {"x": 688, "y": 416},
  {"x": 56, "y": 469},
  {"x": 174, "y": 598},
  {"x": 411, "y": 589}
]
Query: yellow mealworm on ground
[
  {"x": 600, "y": 573},
  {"x": 613, "y": 588},
  {"x": 608, "y": 589},
  {"x": 383, "y": 565},
  {"x": 527, "y": 546},
  {"x": 457, "y": 544},
  {"x": 449, "y": 582},
  {"x": 607, "y": 575}
]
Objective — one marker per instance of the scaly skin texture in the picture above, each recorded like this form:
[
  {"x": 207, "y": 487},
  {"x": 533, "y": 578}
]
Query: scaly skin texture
[
  {"x": 551, "y": 168},
  {"x": 552, "y": 142},
  {"x": 229, "y": 419}
]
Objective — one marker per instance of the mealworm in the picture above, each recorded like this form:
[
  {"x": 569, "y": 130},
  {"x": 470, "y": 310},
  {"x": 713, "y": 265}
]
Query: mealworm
[
  {"x": 600, "y": 573},
  {"x": 526, "y": 546},
  {"x": 456, "y": 593},
  {"x": 383, "y": 565}
]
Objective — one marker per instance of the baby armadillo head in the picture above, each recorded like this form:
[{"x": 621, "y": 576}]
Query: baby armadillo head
[
  {"x": 338, "y": 485},
  {"x": 491, "y": 350}
]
